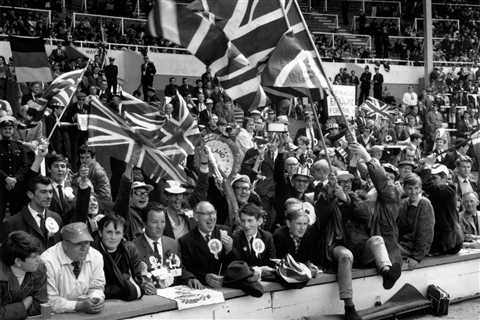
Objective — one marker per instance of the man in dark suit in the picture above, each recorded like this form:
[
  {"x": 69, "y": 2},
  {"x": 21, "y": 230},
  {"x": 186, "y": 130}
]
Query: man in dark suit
[
  {"x": 153, "y": 243},
  {"x": 310, "y": 131},
  {"x": 365, "y": 82},
  {"x": 185, "y": 88},
  {"x": 111, "y": 73},
  {"x": 254, "y": 245},
  {"x": 63, "y": 199},
  {"x": 462, "y": 178},
  {"x": 60, "y": 140},
  {"x": 148, "y": 72},
  {"x": 377, "y": 84},
  {"x": 205, "y": 115},
  {"x": 176, "y": 218},
  {"x": 208, "y": 249},
  {"x": 171, "y": 88},
  {"x": 36, "y": 219}
]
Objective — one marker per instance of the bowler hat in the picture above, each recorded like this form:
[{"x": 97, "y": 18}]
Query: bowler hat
[{"x": 240, "y": 276}]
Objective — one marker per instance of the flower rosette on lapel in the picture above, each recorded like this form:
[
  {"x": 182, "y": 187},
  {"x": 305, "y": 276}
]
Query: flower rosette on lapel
[
  {"x": 215, "y": 246},
  {"x": 258, "y": 246},
  {"x": 52, "y": 226}
]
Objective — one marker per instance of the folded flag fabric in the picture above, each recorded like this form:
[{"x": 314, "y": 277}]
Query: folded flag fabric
[
  {"x": 197, "y": 34},
  {"x": 30, "y": 59},
  {"x": 378, "y": 109},
  {"x": 60, "y": 91},
  {"x": 73, "y": 53},
  {"x": 109, "y": 132}
]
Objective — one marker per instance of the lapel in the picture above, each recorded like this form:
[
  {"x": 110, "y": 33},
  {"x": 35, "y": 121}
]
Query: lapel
[
  {"x": 28, "y": 219},
  {"x": 146, "y": 249}
]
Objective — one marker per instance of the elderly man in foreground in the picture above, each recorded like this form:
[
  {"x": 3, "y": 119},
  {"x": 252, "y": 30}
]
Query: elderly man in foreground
[{"x": 75, "y": 276}]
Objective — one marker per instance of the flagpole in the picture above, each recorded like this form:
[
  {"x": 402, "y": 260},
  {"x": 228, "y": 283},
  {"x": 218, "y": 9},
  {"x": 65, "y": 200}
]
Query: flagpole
[
  {"x": 57, "y": 123},
  {"x": 330, "y": 87},
  {"x": 322, "y": 139}
]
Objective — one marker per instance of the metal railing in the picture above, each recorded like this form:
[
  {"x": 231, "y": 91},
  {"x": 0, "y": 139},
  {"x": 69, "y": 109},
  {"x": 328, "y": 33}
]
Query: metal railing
[
  {"x": 415, "y": 23},
  {"x": 360, "y": 37},
  {"x": 334, "y": 16},
  {"x": 48, "y": 12},
  {"x": 121, "y": 20},
  {"x": 355, "y": 18},
  {"x": 117, "y": 46},
  {"x": 366, "y": 3}
]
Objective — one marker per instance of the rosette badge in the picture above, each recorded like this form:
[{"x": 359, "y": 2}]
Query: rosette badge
[
  {"x": 52, "y": 226},
  {"x": 258, "y": 246},
  {"x": 215, "y": 246}
]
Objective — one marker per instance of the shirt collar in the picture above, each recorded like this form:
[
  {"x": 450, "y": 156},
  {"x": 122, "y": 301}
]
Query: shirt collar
[
  {"x": 64, "y": 259},
  {"x": 35, "y": 213},
  {"x": 55, "y": 184},
  {"x": 415, "y": 203},
  {"x": 150, "y": 241},
  {"x": 204, "y": 234}
]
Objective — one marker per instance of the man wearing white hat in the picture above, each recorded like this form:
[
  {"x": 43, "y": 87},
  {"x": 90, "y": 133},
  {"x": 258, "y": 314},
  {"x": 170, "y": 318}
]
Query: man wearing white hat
[
  {"x": 178, "y": 221},
  {"x": 132, "y": 200}
]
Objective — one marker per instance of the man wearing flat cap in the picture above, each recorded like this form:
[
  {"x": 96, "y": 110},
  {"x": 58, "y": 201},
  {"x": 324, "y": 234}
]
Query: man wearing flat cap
[
  {"x": 13, "y": 167},
  {"x": 75, "y": 276}
]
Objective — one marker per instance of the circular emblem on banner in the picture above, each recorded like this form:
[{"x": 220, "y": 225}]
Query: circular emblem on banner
[
  {"x": 51, "y": 225},
  {"x": 215, "y": 247},
  {"x": 258, "y": 246},
  {"x": 225, "y": 151}
]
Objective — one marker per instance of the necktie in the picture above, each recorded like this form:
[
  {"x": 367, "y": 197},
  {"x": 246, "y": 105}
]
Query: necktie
[
  {"x": 155, "y": 248},
  {"x": 42, "y": 224},
  {"x": 207, "y": 237},
  {"x": 250, "y": 244},
  {"x": 76, "y": 268},
  {"x": 60, "y": 195}
]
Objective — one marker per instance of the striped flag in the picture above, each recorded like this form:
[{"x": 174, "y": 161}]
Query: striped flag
[
  {"x": 175, "y": 137},
  {"x": 60, "y": 91},
  {"x": 30, "y": 59},
  {"x": 197, "y": 34},
  {"x": 376, "y": 108},
  {"x": 112, "y": 134}
]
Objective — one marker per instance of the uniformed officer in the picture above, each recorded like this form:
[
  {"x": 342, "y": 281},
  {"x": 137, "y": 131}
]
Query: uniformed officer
[{"x": 13, "y": 168}]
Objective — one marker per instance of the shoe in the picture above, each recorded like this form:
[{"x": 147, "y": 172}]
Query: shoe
[
  {"x": 391, "y": 276},
  {"x": 351, "y": 313}
]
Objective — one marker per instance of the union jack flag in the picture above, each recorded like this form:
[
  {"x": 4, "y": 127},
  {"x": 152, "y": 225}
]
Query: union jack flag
[
  {"x": 110, "y": 132},
  {"x": 175, "y": 136},
  {"x": 376, "y": 108}
]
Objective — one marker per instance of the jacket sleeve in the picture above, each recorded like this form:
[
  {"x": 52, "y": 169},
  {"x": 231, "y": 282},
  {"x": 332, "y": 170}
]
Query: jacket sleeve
[
  {"x": 13, "y": 311},
  {"x": 424, "y": 233},
  {"x": 385, "y": 190},
  {"x": 189, "y": 263},
  {"x": 101, "y": 184},
  {"x": 122, "y": 206},
  {"x": 39, "y": 293},
  {"x": 200, "y": 192},
  {"x": 80, "y": 214}
]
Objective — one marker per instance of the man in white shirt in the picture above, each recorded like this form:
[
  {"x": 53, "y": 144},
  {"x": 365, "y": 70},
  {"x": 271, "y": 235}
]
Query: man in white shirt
[
  {"x": 410, "y": 98},
  {"x": 75, "y": 276}
]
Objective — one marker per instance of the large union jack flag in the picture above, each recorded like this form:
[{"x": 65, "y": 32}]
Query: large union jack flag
[
  {"x": 175, "y": 136},
  {"x": 63, "y": 87},
  {"x": 377, "y": 109},
  {"x": 110, "y": 132}
]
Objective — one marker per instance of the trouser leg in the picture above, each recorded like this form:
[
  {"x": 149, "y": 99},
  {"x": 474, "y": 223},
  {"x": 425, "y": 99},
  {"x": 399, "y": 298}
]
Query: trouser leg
[
  {"x": 376, "y": 246},
  {"x": 344, "y": 258}
]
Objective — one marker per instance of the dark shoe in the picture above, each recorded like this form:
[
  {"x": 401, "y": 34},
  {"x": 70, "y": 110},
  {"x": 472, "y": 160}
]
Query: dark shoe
[
  {"x": 391, "y": 276},
  {"x": 351, "y": 313}
]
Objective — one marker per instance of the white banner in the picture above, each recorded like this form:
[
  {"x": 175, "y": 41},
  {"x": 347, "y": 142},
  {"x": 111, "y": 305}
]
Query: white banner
[{"x": 346, "y": 98}]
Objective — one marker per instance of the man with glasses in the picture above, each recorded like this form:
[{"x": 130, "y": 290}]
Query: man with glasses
[
  {"x": 76, "y": 279},
  {"x": 131, "y": 204},
  {"x": 208, "y": 249}
]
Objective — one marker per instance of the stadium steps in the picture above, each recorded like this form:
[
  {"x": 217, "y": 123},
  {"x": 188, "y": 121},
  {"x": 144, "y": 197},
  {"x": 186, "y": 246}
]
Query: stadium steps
[{"x": 320, "y": 23}]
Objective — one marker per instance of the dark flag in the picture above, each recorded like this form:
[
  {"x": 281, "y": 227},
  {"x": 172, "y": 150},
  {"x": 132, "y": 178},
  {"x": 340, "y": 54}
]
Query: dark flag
[{"x": 30, "y": 59}]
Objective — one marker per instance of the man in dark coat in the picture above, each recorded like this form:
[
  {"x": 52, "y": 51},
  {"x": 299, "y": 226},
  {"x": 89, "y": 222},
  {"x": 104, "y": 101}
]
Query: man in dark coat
[
  {"x": 111, "y": 73},
  {"x": 13, "y": 168},
  {"x": 365, "y": 81},
  {"x": 377, "y": 84},
  {"x": 186, "y": 88},
  {"x": 20, "y": 299},
  {"x": 36, "y": 219},
  {"x": 208, "y": 249},
  {"x": 148, "y": 72},
  {"x": 171, "y": 88}
]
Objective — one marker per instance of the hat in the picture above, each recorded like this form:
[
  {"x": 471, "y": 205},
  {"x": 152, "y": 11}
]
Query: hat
[
  {"x": 81, "y": 94},
  {"x": 255, "y": 112},
  {"x": 332, "y": 125},
  {"x": 283, "y": 119},
  {"x": 463, "y": 158},
  {"x": 271, "y": 111},
  {"x": 344, "y": 175},
  {"x": 407, "y": 163},
  {"x": 376, "y": 148},
  {"x": 6, "y": 121},
  {"x": 76, "y": 232},
  {"x": 260, "y": 140},
  {"x": 241, "y": 178},
  {"x": 111, "y": 58},
  {"x": 208, "y": 101},
  {"x": 439, "y": 168},
  {"x": 302, "y": 171},
  {"x": 175, "y": 187},
  {"x": 150, "y": 88},
  {"x": 293, "y": 274},
  {"x": 141, "y": 184},
  {"x": 239, "y": 275},
  {"x": 390, "y": 168}
]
